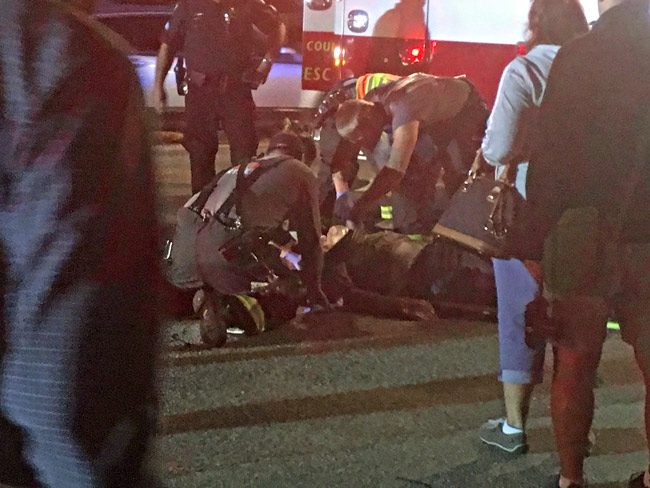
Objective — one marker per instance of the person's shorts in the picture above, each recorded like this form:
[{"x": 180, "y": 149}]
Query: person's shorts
[{"x": 591, "y": 277}]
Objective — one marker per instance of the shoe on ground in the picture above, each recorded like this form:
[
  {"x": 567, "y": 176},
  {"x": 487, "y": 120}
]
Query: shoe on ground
[
  {"x": 198, "y": 301},
  {"x": 213, "y": 327},
  {"x": 491, "y": 433},
  {"x": 556, "y": 482},
  {"x": 591, "y": 443},
  {"x": 636, "y": 480}
]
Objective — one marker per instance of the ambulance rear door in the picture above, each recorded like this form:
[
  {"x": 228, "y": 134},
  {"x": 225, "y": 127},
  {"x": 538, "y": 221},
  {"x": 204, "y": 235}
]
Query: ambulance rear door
[{"x": 345, "y": 38}]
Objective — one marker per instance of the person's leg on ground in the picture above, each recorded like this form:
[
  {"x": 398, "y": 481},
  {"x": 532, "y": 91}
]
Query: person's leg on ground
[
  {"x": 576, "y": 359},
  {"x": 201, "y": 138},
  {"x": 238, "y": 118}
]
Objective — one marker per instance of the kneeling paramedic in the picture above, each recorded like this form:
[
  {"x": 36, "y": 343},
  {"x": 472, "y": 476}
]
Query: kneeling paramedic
[{"x": 230, "y": 237}]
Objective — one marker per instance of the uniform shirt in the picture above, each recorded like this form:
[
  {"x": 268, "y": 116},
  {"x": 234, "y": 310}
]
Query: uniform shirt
[
  {"x": 219, "y": 37},
  {"x": 425, "y": 98},
  {"x": 513, "y": 119},
  {"x": 285, "y": 191}
]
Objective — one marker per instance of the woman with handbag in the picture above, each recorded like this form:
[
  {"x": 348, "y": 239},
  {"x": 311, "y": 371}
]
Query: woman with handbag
[{"x": 506, "y": 146}]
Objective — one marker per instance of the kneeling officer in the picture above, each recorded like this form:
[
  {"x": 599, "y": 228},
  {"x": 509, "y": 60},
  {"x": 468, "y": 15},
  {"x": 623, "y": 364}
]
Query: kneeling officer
[{"x": 230, "y": 237}]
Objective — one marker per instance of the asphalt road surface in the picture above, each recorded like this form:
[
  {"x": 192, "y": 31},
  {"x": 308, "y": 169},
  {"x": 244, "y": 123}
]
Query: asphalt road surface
[{"x": 349, "y": 401}]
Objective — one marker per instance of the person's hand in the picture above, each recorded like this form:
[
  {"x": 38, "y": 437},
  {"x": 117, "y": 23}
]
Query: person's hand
[
  {"x": 159, "y": 98},
  {"x": 478, "y": 165},
  {"x": 415, "y": 309},
  {"x": 342, "y": 206},
  {"x": 318, "y": 302}
]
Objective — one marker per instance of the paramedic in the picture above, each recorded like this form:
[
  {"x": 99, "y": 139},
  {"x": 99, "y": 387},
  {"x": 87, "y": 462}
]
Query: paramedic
[{"x": 422, "y": 111}]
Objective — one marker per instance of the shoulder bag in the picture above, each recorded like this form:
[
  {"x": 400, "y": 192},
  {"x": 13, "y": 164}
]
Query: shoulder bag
[{"x": 483, "y": 212}]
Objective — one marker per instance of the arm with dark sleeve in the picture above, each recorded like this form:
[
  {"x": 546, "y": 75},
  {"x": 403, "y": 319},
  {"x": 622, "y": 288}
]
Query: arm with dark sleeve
[
  {"x": 558, "y": 148},
  {"x": 265, "y": 18},
  {"x": 88, "y": 269},
  {"x": 307, "y": 223},
  {"x": 171, "y": 41},
  {"x": 390, "y": 176}
]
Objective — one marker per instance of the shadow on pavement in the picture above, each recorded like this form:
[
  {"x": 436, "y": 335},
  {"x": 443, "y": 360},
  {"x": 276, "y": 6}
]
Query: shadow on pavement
[{"x": 407, "y": 397}]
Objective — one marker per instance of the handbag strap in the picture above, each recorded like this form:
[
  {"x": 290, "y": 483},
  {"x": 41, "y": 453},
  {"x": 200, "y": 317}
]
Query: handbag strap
[{"x": 508, "y": 175}]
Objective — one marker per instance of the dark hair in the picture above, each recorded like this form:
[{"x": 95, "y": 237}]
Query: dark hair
[
  {"x": 288, "y": 143},
  {"x": 555, "y": 22}
]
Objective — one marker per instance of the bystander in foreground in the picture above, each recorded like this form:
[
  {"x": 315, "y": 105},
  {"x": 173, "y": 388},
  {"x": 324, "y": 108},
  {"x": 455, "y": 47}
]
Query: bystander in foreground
[
  {"x": 589, "y": 185},
  {"x": 78, "y": 242}
]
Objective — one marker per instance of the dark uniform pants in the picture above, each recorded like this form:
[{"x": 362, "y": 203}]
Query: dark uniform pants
[{"x": 215, "y": 101}]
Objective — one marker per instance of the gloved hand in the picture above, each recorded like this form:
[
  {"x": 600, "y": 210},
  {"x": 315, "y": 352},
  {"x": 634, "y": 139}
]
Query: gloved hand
[
  {"x": 292, "y": 259},
  {"x": 359, "y": 212},
  {"x": 387, "y": 179}
]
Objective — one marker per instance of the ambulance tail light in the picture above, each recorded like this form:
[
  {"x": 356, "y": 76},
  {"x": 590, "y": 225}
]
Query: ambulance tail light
[
  {"x": 318, "y": 4},
  {"x": 338, "y": 53},
  {"x": 358, "y": 21},
  {"x": 416, "y": 53}
]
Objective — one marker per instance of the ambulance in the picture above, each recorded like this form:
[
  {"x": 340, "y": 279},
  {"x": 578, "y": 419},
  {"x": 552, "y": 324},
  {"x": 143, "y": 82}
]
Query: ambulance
[{"x": 477, "y": 38}]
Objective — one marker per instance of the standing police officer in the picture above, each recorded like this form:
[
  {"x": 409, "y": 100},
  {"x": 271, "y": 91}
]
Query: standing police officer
[{"x": 219, "y": 40}]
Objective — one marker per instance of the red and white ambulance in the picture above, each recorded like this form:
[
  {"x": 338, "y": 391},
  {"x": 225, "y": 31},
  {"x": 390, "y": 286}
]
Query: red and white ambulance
[{"x": 344, "y": 38}]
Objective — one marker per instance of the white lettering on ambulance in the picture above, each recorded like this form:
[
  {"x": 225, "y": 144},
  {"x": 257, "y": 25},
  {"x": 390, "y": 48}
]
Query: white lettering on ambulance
[
  {"x": 319, "y": 46},
  {"x": 315, "y": 73}
]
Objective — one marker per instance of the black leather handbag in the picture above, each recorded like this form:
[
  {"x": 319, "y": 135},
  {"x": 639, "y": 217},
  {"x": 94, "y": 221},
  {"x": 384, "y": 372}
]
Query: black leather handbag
[{"x": 483, "y": 213}]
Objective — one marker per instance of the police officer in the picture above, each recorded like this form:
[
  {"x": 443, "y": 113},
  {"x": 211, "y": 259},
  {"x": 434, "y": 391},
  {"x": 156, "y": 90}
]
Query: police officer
[
  {"x": 249, "y": 211},
  {"x": 220, "y": 39}
]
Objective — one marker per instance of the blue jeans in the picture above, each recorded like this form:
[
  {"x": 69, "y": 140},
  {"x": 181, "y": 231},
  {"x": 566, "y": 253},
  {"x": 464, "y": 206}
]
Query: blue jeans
[{"x": 516, "y": 288}]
